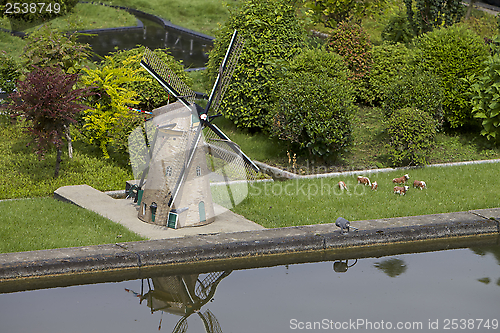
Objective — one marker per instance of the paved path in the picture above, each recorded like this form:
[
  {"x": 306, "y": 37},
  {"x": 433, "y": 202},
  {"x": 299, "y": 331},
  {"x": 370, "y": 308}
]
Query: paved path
[{"x": 124, "y": 211}]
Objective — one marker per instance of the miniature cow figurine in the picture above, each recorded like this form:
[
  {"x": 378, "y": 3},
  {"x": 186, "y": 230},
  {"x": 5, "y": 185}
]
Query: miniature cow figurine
[
  {"x": 364, "y": 181},
  {"x": 374, "y": 186},
  {"x": 401, "y": 190},
  {"x": 400, "y": 180},
  {"x": 419, "y": 184},
  {"x": 342, "y": 186}
]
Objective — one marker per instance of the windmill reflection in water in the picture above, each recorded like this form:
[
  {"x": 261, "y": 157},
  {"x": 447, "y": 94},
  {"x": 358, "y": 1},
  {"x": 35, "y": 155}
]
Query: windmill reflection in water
[{"x": 183, "y": 295}]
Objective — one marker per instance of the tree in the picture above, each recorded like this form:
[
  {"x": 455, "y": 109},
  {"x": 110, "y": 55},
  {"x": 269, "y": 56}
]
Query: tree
[
  {"x": 49, "y": 103},
  {"x": 332, "y": 12},
  {"x": 430, "y": 14},
  {"x": 272, "y": 34}
]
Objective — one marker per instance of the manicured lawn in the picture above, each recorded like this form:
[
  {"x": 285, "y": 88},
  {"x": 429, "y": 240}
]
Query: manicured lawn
[
  {"x": 45, "y": 223},
  {"x": 25, "y": 175},
  {"x": 313, "y": 201}
]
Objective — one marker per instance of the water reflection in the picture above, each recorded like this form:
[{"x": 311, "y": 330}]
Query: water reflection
[
  {"x": 183, "y": 295},
  {"x": 279, "y": 295},
  {"x": 342, "y": 266},
  {"x": 483, "y": 251},
  {"x": 392, "y": 267}
]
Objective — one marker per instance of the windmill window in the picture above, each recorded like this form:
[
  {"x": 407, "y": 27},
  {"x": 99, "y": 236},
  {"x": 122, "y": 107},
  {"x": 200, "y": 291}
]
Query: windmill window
[
  {"x": 168, "y": 171},
  {"x": 198, "y": 171}
]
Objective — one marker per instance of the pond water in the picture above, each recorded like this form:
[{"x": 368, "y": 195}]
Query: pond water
[
  {"x": 455, "y": 289},
  {"x": 192, "y": 50}
]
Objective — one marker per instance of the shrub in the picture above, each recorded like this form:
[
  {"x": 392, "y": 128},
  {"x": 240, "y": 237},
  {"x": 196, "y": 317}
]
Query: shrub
[
  {"x": 426, "y": 15},
  {"x": 453, "y": 53},
  {"x": 272, "y": 34},
  {"x": 398, "y": 29},
  {"x": 332, "y": 12},
  {"x": 102, "y": 125},
  {"x": 49, "y": 47},
  {"x": 319, "y": 62},
  {"x": 9, "y": 72},
  {"x": 411, "y": 133},
  {"x": 485, "y": 100},
  {"x": 352, "y": 43},
  {"x": 389, "y": 61},
  {"x": 150, "y": 94},
  {"x": 314, "y": 111},
  {"x": 47, "y": 100},
  {"x": 418, "y": 89}
]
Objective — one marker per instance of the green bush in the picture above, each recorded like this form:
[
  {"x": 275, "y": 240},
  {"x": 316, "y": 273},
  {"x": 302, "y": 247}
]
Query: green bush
[
  {"x": 411, "y": 133},
  {"x": 314, "y": 111},
  {"x": 272, "y": 34},
  {"x": 332, "y": 12},
  {"x": 389, "y": 61},
  {"x": 485, "y": 100},
  {"x": 417, "y": 89},
  {"x": 49, "y": 47},
  {"x": 453, "y": 53},
  {"x": 9, "y": 72},
  {"x": 398, "y": 29},
  {"x": 109, "y": 120},
  {"x": 319, "y": 62},
  {"x": 150, "y": 93}
]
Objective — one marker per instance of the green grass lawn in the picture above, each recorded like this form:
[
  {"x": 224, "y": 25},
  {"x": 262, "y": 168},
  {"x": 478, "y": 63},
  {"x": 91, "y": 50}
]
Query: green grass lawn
[
  {"x": 198, "y": 15},
  {"x": 25, "y": 175},
  {"x": 84, "y": 16},
  {"x": 313, "y": 201},
  {"x": 45, "y": 223}
]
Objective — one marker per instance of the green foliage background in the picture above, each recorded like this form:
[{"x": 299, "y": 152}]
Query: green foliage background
[
  {"x": 411, "y": 132},
  {"x": 485, "y": 94},
  {"x": 272, "y": 35},
  {"x": 315, "y": 105},
  {"x": 453, "y": 53}
]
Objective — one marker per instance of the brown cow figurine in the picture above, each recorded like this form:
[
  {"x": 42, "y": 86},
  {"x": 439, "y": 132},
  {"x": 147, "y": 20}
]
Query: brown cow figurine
[
  {"x": 342, "y": 186},
  {"x": 419, "y": 184},
  {"x": 364, "y": 181},
  {"x": 401, "y": 190},
  {"x": 400, "y": 180}
]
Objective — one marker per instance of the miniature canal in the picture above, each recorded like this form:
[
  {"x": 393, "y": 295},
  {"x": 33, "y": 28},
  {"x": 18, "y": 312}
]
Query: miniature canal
[
  {"x": 453, "y": 289},
  {"x": 184, "y": 45}
]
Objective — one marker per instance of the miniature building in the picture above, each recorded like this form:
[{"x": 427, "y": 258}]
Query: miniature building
[{"x": 177, "y": 190}]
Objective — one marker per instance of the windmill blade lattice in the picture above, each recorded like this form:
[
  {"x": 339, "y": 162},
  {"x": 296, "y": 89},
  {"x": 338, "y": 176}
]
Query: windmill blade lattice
[
  {"x": 167, "y": 78},
  {"x": 226, "y": 70}
]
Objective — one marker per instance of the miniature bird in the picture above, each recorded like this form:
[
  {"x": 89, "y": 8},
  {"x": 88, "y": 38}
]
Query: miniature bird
[{"x": 342, "y": 223}]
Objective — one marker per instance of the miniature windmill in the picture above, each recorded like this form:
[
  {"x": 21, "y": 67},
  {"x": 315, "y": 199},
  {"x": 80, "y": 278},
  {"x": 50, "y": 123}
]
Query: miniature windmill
[{"x": 187, "y": 154}]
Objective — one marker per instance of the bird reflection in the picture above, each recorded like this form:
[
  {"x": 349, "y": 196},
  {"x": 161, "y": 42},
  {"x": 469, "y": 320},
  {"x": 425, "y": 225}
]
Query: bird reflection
[{"x": 183, "y": 295}]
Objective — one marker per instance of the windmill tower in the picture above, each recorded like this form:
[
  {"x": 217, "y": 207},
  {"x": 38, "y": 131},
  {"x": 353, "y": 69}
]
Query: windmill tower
[{"x": 187, "y": 154}]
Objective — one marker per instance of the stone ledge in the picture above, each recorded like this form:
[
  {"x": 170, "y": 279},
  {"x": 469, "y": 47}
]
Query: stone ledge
[{"x": 248, "y": 244}]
